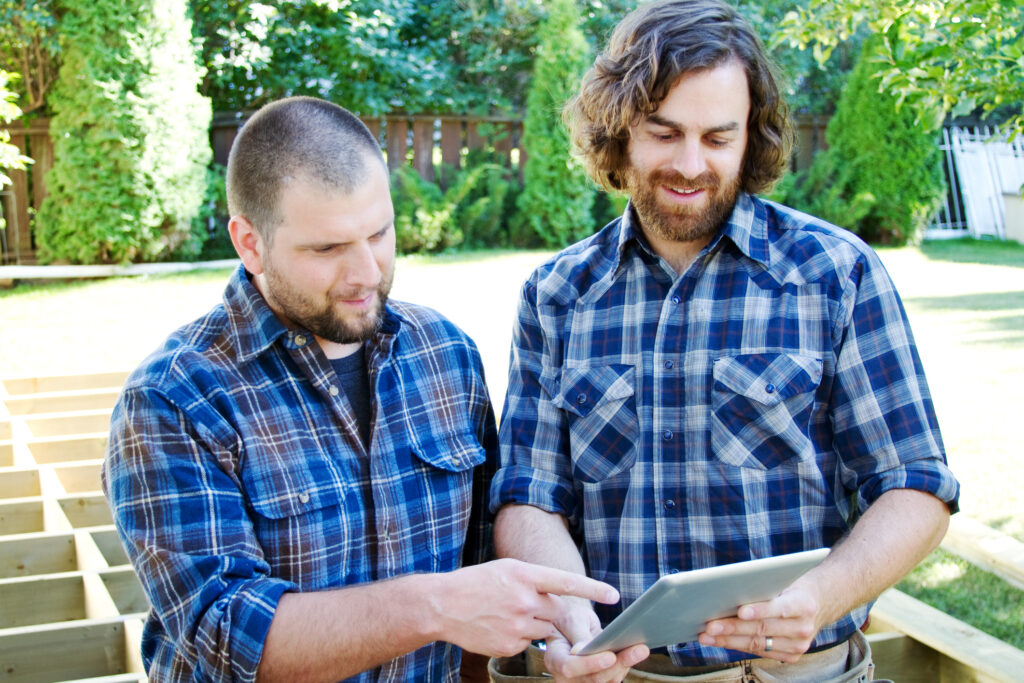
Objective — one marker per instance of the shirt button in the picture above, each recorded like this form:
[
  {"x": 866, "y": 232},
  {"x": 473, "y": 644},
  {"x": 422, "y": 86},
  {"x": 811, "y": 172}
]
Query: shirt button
[
  {"x": 770, "y": 388},
  {"x": 303, "y": 497},
  {"x": 300, "y": 340},
  {"x": 666, "y": 435},
  {"x": 670, "y": 504},
  {"x": 581, "y": 399},
  {"x": 333, "y": 391},
  {"x": 676, "y": 299},
  {"x": 669, "y": 365}
]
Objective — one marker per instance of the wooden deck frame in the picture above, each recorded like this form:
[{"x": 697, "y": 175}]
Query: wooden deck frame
[{"x": 67, "y": 589}]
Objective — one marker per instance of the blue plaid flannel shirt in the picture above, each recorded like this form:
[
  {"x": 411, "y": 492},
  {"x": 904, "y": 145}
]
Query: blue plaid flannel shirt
[
  {"x": 752, "y": 407},
  {"x": 235, "y": 473}
]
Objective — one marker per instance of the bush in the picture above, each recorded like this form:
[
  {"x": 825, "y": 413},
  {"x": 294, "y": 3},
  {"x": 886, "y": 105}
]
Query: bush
[
  {"x": 213, "y": 217},
  {"x": 429, "y": 219},
  {"x": 10, "y": 156},
  {"x": 130, "y": 136},
  {"x": 881, "y": 176},
  {"x": 557, "y": 198}
]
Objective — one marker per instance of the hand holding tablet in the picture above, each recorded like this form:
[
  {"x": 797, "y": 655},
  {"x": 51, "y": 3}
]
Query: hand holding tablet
[{"x": 676, "y": 608}]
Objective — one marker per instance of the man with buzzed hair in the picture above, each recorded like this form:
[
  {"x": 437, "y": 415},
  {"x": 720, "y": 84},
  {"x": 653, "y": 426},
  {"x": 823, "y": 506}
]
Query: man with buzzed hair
[{"x": 300, "y": 476}]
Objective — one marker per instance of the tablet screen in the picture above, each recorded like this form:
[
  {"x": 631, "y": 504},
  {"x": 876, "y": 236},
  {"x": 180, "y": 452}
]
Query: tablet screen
[{"x": 676, "y": 607}]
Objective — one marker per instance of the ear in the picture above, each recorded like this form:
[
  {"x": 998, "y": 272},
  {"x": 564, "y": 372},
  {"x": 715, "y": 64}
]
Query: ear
[{"x": 247, "y": 243}]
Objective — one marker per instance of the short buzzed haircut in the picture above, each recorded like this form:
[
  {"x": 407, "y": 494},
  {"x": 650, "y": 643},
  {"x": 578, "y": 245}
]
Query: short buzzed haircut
[{"x": 296, "y": 137}]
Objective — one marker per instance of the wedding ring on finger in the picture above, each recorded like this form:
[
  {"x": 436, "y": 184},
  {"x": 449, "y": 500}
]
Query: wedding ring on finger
[{"x": 768, "y": 644}]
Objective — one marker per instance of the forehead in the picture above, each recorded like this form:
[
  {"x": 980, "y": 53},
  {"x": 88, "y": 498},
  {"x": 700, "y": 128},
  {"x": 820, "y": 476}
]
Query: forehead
[
  {"x": 706, "y": 99},
  {"x": 314, "y": 212}
]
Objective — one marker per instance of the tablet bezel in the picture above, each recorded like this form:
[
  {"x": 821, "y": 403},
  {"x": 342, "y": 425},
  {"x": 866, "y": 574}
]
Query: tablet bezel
[{"x": 676, "y": 608}]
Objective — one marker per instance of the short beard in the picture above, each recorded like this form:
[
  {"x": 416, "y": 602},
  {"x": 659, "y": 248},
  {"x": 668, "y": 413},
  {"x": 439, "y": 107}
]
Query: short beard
[
  {"x": 681, "y": 223},
  {"x": 320, "y": 318}
]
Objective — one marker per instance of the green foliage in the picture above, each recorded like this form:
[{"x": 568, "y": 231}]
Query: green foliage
[
  {"x": 130, "y": 136},
  {"x": 213, "y": 217},
  {"x": 429, "y": 219},
  {"x": 29, "y": 47},
  {"x": 944, "y": 57},
  {"x": 372, "y": 56},
  {"x": 555, "y": 205},
  {"x": 953, "y": 585},
  {"x": 881, "y": 175},
  {"x": 10, "y": 156}
]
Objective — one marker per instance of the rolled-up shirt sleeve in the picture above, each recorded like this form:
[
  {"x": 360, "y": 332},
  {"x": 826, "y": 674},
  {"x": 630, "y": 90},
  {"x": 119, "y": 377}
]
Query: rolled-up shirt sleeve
[
  {"x": 184, "y": 522},
  {"x": 883, "y": 419},
  {"x": 535, "y": 465}
]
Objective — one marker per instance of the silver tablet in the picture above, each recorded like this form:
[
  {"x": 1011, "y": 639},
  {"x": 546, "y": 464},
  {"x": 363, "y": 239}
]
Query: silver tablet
[{"x": 676, "y": 607}]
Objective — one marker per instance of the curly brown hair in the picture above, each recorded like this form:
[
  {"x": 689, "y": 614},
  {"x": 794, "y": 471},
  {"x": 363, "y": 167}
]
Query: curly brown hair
[{"x": 648, "y": 51}]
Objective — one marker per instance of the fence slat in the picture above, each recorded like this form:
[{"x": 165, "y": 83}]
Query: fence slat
[
  {"x": 423, "y": 147},
  {"x": 396, "y": 132},
  {"x": 503, "y": 136}
]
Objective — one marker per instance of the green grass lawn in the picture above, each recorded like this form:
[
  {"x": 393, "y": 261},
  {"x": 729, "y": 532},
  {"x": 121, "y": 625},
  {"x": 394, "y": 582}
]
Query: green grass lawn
[{"x": 965, "y": 300}]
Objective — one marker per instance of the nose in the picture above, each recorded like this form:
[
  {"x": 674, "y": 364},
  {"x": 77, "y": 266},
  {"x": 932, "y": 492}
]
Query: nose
[
  {"x": 361, "y": 267},
  {"x": 689, "y": 159}
]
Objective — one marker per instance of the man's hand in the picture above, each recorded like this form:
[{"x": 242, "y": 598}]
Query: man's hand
[
  {"x": 579, "y": 625},
  {"x": 498, "y": 608},
  {"x": 782, "y": 628}
]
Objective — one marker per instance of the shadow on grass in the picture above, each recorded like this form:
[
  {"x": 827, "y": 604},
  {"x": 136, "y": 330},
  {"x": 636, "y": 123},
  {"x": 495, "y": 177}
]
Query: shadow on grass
[
  {"x": 1001, "y": 314},
  {"x": 961, "y": 590},
  {"x": 45, "y": 287},
  {"x": 985, "y": 252}
]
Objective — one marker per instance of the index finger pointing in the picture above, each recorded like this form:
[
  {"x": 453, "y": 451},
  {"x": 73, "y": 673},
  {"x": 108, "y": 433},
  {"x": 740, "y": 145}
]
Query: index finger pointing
[{"x": 559, "y": 582}]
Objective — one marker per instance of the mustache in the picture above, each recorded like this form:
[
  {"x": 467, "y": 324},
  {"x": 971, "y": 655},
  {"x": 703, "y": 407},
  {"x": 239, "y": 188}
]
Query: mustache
[{"x": 705, "y": 181}]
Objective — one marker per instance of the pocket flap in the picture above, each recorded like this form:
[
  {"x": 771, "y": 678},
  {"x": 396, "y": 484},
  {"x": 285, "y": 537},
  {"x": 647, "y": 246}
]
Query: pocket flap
[
  {"x": 453, "y": 452},
  {"x": 583, "y": 389},
  {"x": 767, "y": 378},
  {"x": 282, "y": 492}
]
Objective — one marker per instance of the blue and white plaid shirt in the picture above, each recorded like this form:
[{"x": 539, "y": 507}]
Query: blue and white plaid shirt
[
  {"x": 236, "y": 472},
  {"x": 751, "y": 407}
]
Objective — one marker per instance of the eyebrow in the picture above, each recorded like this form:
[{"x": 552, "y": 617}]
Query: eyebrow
[{"x": 661, "y": 121}]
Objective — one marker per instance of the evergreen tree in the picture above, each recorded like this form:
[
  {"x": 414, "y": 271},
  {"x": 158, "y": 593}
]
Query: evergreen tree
[
  {"x": 130, "y": 136},
  {"x": 555, "y": 205},
  {"x": 881, "y": 176}
]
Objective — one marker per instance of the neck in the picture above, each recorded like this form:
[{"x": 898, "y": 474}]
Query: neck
[
  {"x": 679, "y": 254},
  {"x": 333, "y": 350}
]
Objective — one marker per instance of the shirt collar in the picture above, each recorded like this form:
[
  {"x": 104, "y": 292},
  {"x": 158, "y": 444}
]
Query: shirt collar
[
  {"x": 745, "y": 227},
  {"x": 255, "y": 327}
]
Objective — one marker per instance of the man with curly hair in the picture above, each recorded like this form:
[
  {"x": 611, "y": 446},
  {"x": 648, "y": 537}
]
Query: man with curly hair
[{"x": 713, "y": 377}]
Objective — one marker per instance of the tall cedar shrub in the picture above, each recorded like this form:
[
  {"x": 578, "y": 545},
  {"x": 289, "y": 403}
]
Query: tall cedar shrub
[
  {"x": 881, "y": 176},
  {"x": 554, "y": 208},
  {"x": 130, "y": 136}
]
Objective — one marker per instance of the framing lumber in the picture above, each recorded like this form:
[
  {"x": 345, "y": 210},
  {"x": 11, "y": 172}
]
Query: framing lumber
[
  {"x": 967, "y": 654},
  {"x": 987, "y": 548}
]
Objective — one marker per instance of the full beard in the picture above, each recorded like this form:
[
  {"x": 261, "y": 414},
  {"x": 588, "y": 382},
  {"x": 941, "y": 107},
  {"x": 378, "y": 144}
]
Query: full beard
[
  {"x": 681, "y": 223},
  {"x": 320, "y": 317}
]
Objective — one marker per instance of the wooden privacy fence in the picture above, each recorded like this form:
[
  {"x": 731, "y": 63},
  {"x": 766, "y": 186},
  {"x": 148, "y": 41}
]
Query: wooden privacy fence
[{"x": 429, "y": 143}]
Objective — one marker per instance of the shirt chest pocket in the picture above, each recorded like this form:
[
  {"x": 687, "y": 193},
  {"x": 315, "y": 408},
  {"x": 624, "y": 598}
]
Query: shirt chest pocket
[
  {"x": 600, "y": 406},
  {"x": 761, "y": 408},
  {"x": 299, "y": 511},
  {"x": 442, "y": 468}
]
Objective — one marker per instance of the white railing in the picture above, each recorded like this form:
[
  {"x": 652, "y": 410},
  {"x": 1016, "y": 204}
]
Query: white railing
[{"x": 981, "y": 164}]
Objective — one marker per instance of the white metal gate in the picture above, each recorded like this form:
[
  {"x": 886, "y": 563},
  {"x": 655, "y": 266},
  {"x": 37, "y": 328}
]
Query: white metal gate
[{"x": 981, "y": 165}]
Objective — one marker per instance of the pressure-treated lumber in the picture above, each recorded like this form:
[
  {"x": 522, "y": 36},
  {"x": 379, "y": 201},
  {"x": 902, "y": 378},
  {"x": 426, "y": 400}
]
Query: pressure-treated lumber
[
  {"x": 987, "y": 548},
  {"x": 967, "y": 654}
]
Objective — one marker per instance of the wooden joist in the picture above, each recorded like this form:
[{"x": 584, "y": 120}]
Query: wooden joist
[
  {"x": 962, "y": 652},
  {"x": 987, "y": 548}
]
